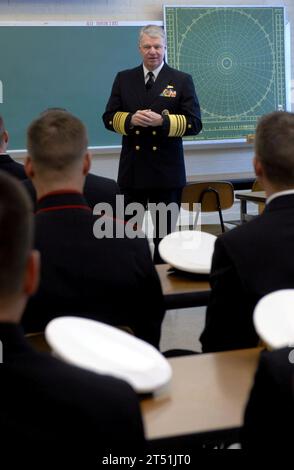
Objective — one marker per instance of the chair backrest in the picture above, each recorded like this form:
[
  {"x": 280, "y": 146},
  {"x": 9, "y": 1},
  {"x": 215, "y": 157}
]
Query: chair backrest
[
  {"x": 250, "y": 138},
  {"x": 205, "y": 192},
  {"x": 257, "y": 186},
  {"x": 212, "y": 195}
]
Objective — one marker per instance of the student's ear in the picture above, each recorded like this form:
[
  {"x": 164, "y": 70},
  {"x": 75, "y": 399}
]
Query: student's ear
[
  {"x": 87, "y": 163},
  {"x": 32, "y": 273},
  {"x": 28, "y": 166},
  {"x": 258, "y": 168},
  {"x": 6, "y": 137}
]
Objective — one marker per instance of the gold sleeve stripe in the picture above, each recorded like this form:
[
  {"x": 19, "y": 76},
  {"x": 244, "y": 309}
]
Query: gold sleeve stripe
[
  {"x": 172, "y": 125},
  {"x": 116, "y": 122},
  {"x": 178, "y": 124},
  {"x": 184, "y": 125},
  {"x": 119, "y": 120}
]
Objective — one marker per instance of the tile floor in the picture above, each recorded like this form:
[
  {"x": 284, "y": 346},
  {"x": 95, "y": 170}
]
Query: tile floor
[{"x": 181, "y": 329}]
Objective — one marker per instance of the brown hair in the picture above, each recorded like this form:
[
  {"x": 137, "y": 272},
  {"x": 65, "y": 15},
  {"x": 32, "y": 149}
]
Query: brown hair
[
  {"x": 56, "y": 140},
  {"x": 16, "y": 234},
  {"x": 274, "y": 147}
]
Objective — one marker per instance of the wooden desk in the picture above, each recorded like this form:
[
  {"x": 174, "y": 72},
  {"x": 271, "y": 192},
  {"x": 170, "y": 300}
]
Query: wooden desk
[
  {"x": 252, "y": 196},
  {"x": 183, "y": 290},
  {"x": 207, "y": 393}
]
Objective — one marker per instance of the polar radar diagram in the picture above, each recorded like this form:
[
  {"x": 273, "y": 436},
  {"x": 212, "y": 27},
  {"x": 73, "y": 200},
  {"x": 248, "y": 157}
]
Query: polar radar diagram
[{"x": 236, "y": 57}]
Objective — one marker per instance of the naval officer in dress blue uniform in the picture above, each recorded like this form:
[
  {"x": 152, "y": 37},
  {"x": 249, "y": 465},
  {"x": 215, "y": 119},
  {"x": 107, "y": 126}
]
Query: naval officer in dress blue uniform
[{"x": 153, "y": 106}]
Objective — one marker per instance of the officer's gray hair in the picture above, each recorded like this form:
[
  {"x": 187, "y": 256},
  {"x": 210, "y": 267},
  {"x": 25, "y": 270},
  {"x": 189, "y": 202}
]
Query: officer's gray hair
[{"x": 153, "y": 31}]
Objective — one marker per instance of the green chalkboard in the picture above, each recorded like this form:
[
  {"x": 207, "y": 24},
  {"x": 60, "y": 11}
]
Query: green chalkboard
[
  {"x": 62, "y": 66},
  {"x": 236, "y": 56}
]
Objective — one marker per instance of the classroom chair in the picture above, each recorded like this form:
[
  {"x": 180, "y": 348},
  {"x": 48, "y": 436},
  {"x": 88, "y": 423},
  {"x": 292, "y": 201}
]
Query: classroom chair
[{"x": 209, "y": 196}]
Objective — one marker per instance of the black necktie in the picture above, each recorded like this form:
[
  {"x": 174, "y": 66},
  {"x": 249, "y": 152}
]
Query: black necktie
[{"x": 150, "y": 81}]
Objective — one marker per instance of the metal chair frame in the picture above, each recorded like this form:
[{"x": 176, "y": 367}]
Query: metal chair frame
[{"x": 218, "y": 207}]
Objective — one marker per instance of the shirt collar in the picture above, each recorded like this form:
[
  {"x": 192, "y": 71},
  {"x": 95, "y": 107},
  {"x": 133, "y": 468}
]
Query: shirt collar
[
  {"x": 155, "y": 72},
  {"x": 287, "y": 192},
  {"x": 61, "y": 200},
  {"x": 58, "y": 192}
]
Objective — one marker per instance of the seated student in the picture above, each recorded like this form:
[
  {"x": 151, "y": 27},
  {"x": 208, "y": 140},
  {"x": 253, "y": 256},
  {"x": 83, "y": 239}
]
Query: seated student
[
  {"x": 49, "y": 407},
  {"x": 269, "y": 415},
  {"x": 6, "y": 162},
  {"x": 109, "y": 279},
  {"x": 258, "y": 257}
]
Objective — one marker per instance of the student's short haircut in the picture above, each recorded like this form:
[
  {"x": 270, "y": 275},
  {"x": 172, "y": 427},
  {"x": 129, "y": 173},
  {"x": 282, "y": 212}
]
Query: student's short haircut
[
  {"x": 274, "y": 147},
  {"x": 56, "y": 140},
  {"x": 16, "y": 234},
  {"x": 53, "y": 109},
  {"x": 153, "y": 31}
]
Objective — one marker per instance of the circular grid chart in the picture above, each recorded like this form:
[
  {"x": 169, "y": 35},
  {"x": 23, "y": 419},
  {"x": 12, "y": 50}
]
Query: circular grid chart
[{"x": 231, "y": 58}]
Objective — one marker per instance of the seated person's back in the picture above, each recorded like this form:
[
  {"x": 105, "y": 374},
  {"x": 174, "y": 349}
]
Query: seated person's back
[
  {"x": 269, "y": 416},
  {"x": 256, "y": 258},
  {"x": 63, "y": 410},
  {"x": 50, "y": 409}
]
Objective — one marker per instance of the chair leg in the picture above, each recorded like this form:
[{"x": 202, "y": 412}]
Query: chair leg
[
  {"x": 221, "y": 220},
  {"x": 215, "y": 192},
  {"x": 219, "y": 209}
]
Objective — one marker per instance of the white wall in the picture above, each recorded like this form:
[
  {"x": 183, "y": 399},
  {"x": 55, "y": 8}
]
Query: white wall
[{"x": 202, "y": 162}]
